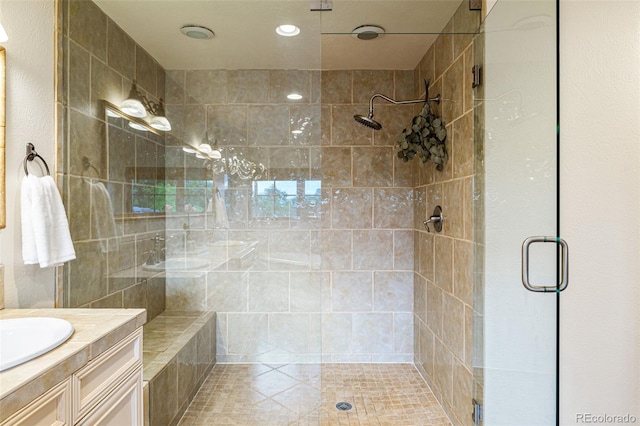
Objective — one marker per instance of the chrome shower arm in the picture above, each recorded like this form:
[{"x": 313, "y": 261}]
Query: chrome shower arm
[
  {"x": 393, "y": 101},
  {"x": 414, "y": 101},
  {"x": 373, "y": 124}
]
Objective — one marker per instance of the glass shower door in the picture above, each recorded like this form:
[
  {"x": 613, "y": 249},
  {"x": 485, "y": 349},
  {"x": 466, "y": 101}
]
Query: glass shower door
[{"x": 515, "y": 370}]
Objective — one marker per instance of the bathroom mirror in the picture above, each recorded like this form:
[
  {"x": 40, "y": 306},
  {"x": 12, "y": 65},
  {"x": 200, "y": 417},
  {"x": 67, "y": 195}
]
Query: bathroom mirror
[
  {"x": 138, "y": 186},
  {"x": 3, "y": 217}
]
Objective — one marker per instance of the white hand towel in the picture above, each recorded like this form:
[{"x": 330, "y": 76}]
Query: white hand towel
[
  {"x": 45, "y": 231},
  {"x": 102, "y": 220}
]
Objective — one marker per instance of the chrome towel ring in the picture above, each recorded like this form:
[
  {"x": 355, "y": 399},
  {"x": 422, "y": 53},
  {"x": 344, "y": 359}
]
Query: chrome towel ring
[{"x": 32, "y": 154}]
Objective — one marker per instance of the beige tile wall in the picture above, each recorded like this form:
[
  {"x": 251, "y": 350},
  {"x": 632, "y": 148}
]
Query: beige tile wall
[
  {"x": 443, "y": 274},
  {"x": 100, "y": 61},
  {"x": 335, "y": 285}
]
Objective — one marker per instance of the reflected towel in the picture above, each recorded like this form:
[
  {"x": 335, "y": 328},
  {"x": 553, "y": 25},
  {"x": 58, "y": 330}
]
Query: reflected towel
[
  {"x": 45, "y": 230},
  {"x": 220, "y": 210},
  {"x": 103, "y": 224}
]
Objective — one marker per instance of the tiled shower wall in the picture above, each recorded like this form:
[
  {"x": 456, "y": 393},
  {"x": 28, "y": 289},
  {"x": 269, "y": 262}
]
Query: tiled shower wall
[
  {"x": 100, "y": 62},
  {"x": 443, "y": 286},
  {"x": 334, "y": 281}
]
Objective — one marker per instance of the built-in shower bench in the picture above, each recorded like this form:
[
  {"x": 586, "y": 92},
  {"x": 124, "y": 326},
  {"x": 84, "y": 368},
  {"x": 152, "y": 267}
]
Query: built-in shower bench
[{"x": 179, "y": 350}]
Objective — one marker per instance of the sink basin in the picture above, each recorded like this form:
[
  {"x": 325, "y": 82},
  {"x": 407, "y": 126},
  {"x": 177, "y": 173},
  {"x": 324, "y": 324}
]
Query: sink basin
[
  {"x": 178, "y": 264},
  {"x": 23, "y": 339}
]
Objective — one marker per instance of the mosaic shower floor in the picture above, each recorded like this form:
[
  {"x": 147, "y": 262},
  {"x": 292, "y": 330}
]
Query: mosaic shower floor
[{"x": 307, "y": 394}]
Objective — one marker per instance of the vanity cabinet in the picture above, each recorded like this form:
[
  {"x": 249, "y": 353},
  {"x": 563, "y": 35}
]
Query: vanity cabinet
[
  {"x": 107, "y": 391},
  {"x": 52, "y": 408}
]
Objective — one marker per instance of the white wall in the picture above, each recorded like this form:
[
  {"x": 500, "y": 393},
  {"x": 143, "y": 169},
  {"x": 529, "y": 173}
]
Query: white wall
[
  {"x": 600, "y": 205},
  {"x": 30, "y": 118}
]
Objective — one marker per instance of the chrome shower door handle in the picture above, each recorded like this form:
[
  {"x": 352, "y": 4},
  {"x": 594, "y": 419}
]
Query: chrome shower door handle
[{"x": 564, "y": 267}]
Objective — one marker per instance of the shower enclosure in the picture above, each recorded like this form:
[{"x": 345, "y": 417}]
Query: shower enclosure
[
  {"x": 270, "y": 211},
  {"x": 516, "y": 378}
]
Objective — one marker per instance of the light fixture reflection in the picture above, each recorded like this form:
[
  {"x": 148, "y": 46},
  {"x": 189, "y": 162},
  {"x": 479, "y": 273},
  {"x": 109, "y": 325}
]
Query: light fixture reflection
[
  {"x": 205, "y": 147},
  {"x": 189, "y": 150},
  {"x": 213, "y": 153},
  {"x": 294, "y": 96},
  {"x": 137, "y": 126}
]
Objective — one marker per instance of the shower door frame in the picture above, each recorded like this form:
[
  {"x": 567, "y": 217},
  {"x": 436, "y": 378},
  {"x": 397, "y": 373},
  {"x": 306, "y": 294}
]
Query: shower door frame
[{"x": 549, "y": 225}]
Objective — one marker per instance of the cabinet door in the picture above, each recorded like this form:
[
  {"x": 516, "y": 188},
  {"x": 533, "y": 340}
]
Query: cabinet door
[
  {"x": 122, "y": 407},
  {"x": 101, "y": 376},
  {"x": 51, "y": 409}
]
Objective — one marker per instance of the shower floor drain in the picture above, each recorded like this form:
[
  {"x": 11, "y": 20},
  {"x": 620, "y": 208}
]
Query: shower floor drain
[{"x": 344, "y": 406}]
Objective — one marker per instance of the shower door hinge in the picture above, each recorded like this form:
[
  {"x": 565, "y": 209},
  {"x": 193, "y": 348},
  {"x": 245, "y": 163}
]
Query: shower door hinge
[
  {"x": 476, "y": 71},
  {"x": 477, "y": 412}
]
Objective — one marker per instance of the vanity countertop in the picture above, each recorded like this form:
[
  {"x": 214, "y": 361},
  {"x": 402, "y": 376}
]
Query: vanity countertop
[{"x": 95, "y": 331}]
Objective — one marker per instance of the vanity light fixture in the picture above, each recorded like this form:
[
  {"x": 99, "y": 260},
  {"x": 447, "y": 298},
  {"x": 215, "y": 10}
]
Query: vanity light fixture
[
  {"x": 189, "y": 150},
  {"x": 137, "y": 105},
  {"x": 159, "y": 121},
  {"x": 294, "y": 96},
  {"x": 288, "y": 30}
]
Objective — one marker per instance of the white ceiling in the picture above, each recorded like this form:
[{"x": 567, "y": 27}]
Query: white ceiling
[{"x": 246, "y": 38}]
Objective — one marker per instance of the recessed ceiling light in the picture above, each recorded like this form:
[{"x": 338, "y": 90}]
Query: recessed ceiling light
[
  {"x": 294, "y": 96},
  {"x": 288, "y": 30},
  {"x": 197, "y": 31}
]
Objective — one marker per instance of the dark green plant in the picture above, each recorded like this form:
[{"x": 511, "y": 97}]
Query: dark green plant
[{"x": 425, "y": 138}]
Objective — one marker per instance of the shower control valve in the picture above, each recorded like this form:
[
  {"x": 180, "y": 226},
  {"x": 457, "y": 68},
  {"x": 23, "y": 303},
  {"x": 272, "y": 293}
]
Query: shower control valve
[{"x": 436, "y": 219}]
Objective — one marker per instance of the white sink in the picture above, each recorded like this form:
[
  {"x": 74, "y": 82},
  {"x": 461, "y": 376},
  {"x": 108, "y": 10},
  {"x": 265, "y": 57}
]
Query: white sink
[
  {"x": 22, "y": 339},
  {"x": 178, "y": 264}
]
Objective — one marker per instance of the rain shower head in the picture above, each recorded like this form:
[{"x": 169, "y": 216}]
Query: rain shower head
[
  {"x": 368, "y": 121},
  {"x": 371, "y": 123}
]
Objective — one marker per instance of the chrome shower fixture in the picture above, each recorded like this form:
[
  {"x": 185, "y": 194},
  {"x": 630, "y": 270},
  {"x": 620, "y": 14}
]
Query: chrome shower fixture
[{"x": 373, "y": 124}]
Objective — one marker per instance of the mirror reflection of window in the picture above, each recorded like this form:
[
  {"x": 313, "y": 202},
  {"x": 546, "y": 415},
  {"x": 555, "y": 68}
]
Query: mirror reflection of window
[{"x": 285, "y": 198}]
